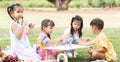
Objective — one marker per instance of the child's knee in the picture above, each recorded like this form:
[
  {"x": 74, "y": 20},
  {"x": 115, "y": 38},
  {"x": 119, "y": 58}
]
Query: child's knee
[
  {"x": 98, "y": 55},
  {"x": 94, "y": 54},
  {"x": 90, "y": 51},
  {"x": 51, "y": 57}
]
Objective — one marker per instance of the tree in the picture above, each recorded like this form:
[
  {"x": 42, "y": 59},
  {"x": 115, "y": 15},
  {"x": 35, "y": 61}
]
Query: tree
[
  {"x": 60, "y": 4},
  {"x": 109, "y": 3}
]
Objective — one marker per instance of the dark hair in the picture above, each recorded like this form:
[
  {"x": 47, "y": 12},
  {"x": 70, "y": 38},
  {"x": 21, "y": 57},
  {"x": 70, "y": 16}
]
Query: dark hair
[
  {"x": 11, "y": 8},
  {"x": 78, "y": 18},
  {"x": 47, "y": 22},
  {"x": 98, "y": 23}
]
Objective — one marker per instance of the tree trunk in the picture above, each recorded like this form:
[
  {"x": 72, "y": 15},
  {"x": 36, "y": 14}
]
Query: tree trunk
[
  {"x": 60, "y": 4},
  {"x": 65, "y": 4}
]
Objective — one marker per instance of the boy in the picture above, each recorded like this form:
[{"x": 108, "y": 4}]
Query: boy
[{"x": 104, "y": 49}]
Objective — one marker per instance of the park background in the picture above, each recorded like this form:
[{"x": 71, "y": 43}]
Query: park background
[{"x": 37, "y": 10}]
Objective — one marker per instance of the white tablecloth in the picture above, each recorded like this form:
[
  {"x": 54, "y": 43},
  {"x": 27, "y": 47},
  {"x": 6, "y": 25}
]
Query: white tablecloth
[{"x": 66, "y": 47}]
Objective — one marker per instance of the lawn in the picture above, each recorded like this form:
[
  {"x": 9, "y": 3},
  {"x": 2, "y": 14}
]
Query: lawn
[{"x": 62, "y": 21}]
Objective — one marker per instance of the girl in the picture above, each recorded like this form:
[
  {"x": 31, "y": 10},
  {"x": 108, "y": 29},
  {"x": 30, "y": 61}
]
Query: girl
[
  {"x": 72, "y": 34},
  {"x": 44, "y": 39},
  {"x": 20, "y": 45}
]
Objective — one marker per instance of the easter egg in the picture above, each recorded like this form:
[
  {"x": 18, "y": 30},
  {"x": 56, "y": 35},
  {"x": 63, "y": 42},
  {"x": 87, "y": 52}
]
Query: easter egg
[{"x": 30, "y": 25}]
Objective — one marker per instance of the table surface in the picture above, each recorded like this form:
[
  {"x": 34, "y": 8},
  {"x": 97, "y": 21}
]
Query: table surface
[{"x": 66, "y": 47}]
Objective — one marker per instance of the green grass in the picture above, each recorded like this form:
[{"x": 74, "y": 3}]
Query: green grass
[
  {"x": 112, "y": 33},
  {"x": 62, "y": 20}
]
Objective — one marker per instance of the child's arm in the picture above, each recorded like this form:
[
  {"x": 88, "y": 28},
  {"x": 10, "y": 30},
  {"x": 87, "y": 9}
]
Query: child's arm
[
  {"x": 29, "y": 28},
  {"x": 18, "y": 31},
  {"x": 103, "y": 50},
  {"x": 65, "y": 37},
  {"x": 53, "y": 41},
  {"x": 85, "y": 43}
]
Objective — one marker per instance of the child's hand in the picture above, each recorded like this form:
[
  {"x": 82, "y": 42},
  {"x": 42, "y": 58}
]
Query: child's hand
[
  {"x": 31, "y": 26},
  {"x": 60, "y": 40},
  {"x": 87, "y": 40},
  {"x": 90, "y": 50}
]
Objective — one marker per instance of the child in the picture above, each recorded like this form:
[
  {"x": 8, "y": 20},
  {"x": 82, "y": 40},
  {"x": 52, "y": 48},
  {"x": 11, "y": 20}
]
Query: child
[
  {"x": 20, "y": 45},
  {"x": 44, "y": 40},
  {"x": 73, "y": 34},
  {"x": 104, "y": 49}
]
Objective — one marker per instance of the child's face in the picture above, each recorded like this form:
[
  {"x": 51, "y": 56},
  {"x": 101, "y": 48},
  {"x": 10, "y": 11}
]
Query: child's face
[
  {"x": 76, "y": 25},
  {"x": 18, "y": 13},
  {"x": 93, "y": 28},
  {"x": 48, "y": 29}
]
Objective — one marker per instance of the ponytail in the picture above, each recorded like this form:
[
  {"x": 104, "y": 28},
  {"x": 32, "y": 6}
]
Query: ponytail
[{"x": 9, "y": 10}]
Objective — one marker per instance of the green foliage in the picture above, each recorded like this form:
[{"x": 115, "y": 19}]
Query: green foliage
[
  {"x": 31, "y": 3},
  {"x": 109, "y": 1},
  {"x": 37, "y": 4},
  {"x": 117, "y": 2},
  {"x": 84, "y": 3},
  {"x": 74, "y": 4},
  {"x": 96, "y": 3},
  {"x": 4, "y": 4}
]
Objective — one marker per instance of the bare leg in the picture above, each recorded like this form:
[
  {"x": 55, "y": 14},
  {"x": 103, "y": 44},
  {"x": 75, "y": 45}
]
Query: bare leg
[
  {"x": 65, "y": 4},
  {"x": 98, "y": 55},
  {"x": 90, "y": 51},
  {"x": 51, "y": 57}
]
